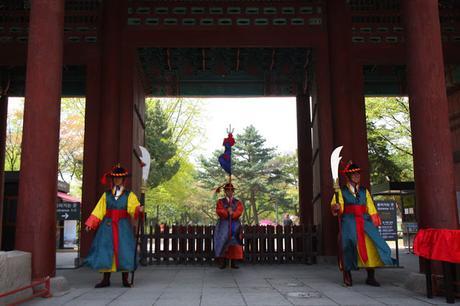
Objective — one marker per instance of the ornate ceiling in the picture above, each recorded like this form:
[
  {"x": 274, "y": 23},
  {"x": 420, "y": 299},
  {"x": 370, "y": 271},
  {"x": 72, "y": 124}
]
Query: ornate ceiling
[{"x": 225, "y": 71}]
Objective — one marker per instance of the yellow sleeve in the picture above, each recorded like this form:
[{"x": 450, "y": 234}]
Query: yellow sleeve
[
  {"x": 334, "y": 200},
  {"x": 100, "y": 209},
  {"x": 133, "y": 204},
  {"x": 97, "y": 214},
  {"x": 370, "y": 204}
]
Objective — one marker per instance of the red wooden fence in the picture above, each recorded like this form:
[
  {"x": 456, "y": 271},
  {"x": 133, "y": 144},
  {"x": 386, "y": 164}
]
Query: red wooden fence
[{"x": 261, "y": 244}]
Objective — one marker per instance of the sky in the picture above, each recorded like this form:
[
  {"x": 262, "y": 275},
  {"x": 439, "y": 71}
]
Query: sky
[{"x": 274, "y": 118}]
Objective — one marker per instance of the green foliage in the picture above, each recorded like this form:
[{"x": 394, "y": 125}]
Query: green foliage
[
  {"x": 179, "y": 200},
  {"x": 211, "y": 174},
  {"x": 284, "y": 181},
  {"x": 14, "y": 137},
  {"x": 174, "y": 194},
  {"x": 71, "y": 138},
  {"x": 251, "y": 157},
  {"x": 389, "y": 139},
  {"x": 159, "y": 143},
  {"x": 71, "y": 142},
  {"x": 183, "y": 120}
]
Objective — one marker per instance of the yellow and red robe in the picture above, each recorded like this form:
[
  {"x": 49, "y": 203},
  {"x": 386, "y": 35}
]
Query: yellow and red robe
[
  {"x": 361, "y": 241},
  {"x": 114, "y": 243}
]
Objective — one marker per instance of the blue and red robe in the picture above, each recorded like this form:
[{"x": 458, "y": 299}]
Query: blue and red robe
[
  {"x": 361, "y": 242},
  {"x": 227, "y": 233},
  {"x": 113, "y": 246}
]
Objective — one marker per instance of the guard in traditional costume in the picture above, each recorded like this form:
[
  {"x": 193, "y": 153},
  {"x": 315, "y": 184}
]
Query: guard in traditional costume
[
  {"x": 362, "y": 245},
  {"x": 114, "y": 244},
  {"x": 228, "y": 244}
]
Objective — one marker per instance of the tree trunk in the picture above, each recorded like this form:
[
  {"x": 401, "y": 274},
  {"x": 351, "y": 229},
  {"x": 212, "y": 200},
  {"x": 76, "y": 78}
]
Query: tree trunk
[{"x": 254, "y": 208}]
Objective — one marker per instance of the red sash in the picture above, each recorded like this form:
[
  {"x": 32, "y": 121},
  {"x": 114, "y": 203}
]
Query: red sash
[
  {"x": 358, "y": 211},
  {"x": 116, "y": 215}
]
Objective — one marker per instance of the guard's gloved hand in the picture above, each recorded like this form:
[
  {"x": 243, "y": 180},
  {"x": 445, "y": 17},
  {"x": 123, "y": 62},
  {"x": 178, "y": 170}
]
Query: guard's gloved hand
[{"x": 335, "y": 209}]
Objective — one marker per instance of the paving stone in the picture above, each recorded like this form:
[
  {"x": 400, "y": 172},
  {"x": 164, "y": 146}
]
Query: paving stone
[{"x": 266, "y": 285}]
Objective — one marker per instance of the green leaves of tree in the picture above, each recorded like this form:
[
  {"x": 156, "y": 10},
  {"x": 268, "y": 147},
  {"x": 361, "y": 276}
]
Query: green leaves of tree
[
  {"x": 389, "y": 139},
  {"x": 159, "y": 143}
]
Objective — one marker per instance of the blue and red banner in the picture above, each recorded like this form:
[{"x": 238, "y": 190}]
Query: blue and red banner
[{"x": 225, "y": 159}]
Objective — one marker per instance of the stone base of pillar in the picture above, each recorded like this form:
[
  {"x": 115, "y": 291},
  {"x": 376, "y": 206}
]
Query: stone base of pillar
[
  {"x": 59, "y": 286},
  {"x": 416, "y": 282},
  {"x": 15, "y": 272}
]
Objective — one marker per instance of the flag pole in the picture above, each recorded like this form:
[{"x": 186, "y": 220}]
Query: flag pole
[{"x": 335, "y": 161}]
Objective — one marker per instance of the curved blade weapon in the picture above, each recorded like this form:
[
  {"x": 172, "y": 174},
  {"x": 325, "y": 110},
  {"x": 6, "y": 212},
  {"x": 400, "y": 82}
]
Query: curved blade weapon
[
  {"x": 145, "y": 163},
  {"x": 335, "y": 162}
]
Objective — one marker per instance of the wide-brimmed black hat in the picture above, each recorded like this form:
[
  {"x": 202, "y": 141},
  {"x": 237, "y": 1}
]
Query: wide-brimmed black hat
[
  {"x": 116, "y": 171},
  {"x": 229, "y": 186},
  {"x": 225, "y": 186},
  {"x": 351, "y": 168}
]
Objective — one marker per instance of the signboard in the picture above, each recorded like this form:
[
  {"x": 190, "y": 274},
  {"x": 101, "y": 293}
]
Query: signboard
[
  {"x": 410, "y": 227},
  {"x": 68, "y": 211},
  {"x": 387, "y": 212}
]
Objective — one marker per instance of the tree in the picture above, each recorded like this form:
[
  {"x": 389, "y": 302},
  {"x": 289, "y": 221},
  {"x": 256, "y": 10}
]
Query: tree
[
  {"x": 172, "y": 127},
  {"x": 284, "y": 184},
  {"x": 182, "y": 119},
  {"x": 71, "y": 139},
  {"x": 14, "y": 139},
  {"x": 264, "y": 179},
  {"x": 389, "y": 139},
  {"x": 252, "y": 157},
  {"x": 159, "y": 142},
  {"x": 180, "y": 200}
]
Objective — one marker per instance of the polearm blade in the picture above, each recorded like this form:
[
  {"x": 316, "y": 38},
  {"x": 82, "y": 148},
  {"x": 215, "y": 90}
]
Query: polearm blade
[
  {"x": 145, "y": 159},
  {"x": 335, "y": 161}
]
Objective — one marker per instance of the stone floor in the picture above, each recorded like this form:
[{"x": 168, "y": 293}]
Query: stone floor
[{"x": 276, "y": 285}]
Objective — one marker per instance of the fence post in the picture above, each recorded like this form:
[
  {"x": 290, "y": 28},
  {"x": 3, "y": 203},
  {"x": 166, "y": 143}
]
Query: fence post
[
  {"x": 166, "y": 251},
  {"x": 271, "y": 243},
  {"x": 191, "y": 237},
  {"x": 209, "y": 245},
  {"x": 157, "y": 237}
]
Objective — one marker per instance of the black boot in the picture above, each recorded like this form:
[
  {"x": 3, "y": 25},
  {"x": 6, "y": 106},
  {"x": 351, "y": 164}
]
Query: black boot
[
  {"x": 105, "y": 282},
  {"x": 222, "y": 263},
  {"x": 124, "y": 277},
  {"x": 233, "y": 264},
  {"x": 371, "y": 278},
  {"x": 347, "y": 281}
]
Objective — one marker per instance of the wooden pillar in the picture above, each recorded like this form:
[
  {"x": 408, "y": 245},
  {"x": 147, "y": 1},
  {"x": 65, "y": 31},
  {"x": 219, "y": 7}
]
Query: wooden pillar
[
  {"x": 360, "y": 153},
  {"x": 329, "y": 226},
  {"x": 109, "y": 119},
  {"x": 304, "y": 152},
  {"x": 3, "y": 123},
  {"x": 36, "y": 212},
  {"x": 90, "y": 168},
  {"x": 131, "y": 106},
  {"x": 431, "y": 137},
  {"x": 139, "y": 122},
  {"x": 339, "y": 34},
  {"x": 125, "y": 148}
]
